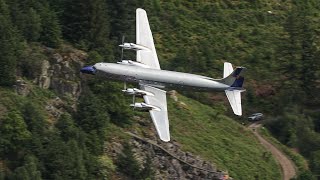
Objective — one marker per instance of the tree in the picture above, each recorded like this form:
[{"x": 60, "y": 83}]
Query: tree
[
  {"x": 147, "y": 172},
  {"x": 63, "y": 160},
  {"x": 9, "y": 46},
  {"x": 67, "y": 128},
  {"x": 13, "y": 133},
  {"x": 29, "y": 170},
  {"x": 127, "y": 163},
  {"x": 87, "y": 22},
  {"x": 315, "y": 162},
  {"x": 32, "y": 29},
  {"x": 51, "y": 30}
]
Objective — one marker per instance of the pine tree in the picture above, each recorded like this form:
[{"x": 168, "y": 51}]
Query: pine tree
[
  {"x": 51, "y": 30},
  {"x": 9, "y": 46},
  {"x": 13, "y": 133},
  {"x": 67, "y": 128},
  {"x": 29, "y": 170},
  {"x": 147, "y": 172},
  {"x": 33, "y": 28},
  {"x": 127, "y": 163}
]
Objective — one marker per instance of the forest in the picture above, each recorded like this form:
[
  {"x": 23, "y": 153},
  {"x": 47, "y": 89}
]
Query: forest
[{"x": 277, "y": 41}]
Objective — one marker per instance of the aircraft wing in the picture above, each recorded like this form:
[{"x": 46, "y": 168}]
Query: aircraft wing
[
  {"x": 159, "y": 118},
  {"x": 144, "y": 38}
]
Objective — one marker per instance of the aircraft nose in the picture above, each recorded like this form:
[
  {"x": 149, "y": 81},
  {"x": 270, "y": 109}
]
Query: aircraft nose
[{"x": 88, "y": 70}]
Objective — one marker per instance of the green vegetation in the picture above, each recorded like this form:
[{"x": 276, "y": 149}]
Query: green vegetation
[
  {"x": 298, "y": 160},
  {"x": 128, "y": 165},
  {"x": 207, "y": 132},
  {"x": 278, "y": 41}
]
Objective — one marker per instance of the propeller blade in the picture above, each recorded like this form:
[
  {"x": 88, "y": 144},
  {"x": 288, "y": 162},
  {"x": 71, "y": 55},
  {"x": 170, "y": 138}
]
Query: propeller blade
[
  {"x": 122, "y": 43},
  {"x": 123, "y": 38},
  {"x": 133, "y": 99},
  {"x": 121, "y": 53}
]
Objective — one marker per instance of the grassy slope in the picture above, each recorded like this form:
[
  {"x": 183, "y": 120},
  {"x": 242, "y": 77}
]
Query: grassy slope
[{"x": 204, "y": 131}]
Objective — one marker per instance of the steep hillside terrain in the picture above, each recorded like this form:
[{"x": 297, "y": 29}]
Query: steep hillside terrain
[
  {"x": 196, "y": 129},
  {"x": 58, "y": 124}
]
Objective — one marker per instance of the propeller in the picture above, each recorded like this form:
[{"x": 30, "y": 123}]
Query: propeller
[
  {"x": 134, "y": 99},
  {"x": 123, "y": 38},
  {"x": 124, "y": 85}
]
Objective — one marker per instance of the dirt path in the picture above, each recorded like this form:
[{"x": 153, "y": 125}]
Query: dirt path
[{"x": 288, "y": 167}]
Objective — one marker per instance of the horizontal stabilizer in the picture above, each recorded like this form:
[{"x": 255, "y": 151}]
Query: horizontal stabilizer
[{"x": 234, "y": 97}]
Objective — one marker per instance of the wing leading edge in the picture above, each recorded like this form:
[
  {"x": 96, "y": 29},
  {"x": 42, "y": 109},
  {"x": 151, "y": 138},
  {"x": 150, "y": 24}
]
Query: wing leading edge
[
  {"x": 159, "y": 118},
  {"x": 145, "y": 38}
]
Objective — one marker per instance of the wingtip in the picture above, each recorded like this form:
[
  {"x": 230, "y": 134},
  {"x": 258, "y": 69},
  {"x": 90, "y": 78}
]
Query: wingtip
[
  {"x": 166, "y": 140},
  {"x": 237, "y": 112},
  {"x": 140, "y": 9}
]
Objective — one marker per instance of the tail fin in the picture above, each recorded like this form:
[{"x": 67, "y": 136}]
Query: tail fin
[
  {"x": 235, "y": 80},
  {"x": 227, "y": 69},
  {"x": 231, "y": 77}
]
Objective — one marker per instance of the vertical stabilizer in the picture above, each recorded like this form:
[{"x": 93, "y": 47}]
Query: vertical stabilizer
[{"x": 227, "y": 69}]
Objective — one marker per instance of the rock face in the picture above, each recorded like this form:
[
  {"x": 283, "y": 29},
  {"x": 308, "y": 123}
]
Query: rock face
[
  {"x": 22, "y": 88},
  {"x": 61, "y": 72},
  {"x": 169, "y": 161}
]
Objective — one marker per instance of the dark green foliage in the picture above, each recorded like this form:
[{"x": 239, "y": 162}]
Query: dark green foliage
[
  {"x": 28, "y": 171},
  {"x": 306, "y": 175},
  {"x": 277, "y": 41},
  {"x": 36, "y": 22},
  {"x": 114, "y": 103},
  {"x": 30, "y": 61},
  {"x": 315, "y": 162},
  {"x": 32, "y": 25},
  {"x": 67, "y": 127},
  {"x": 8, "y": 47},
  {"x": 147, "y": 172},
  {"x": 87, "y": 23},
  {"x": 94, "y": 57},
  {"x": 127, "y": 163},
  {"x": 51, "y": 31},
  {"x": 14, "y": 134},
  {"x": 92, "y": 114}
]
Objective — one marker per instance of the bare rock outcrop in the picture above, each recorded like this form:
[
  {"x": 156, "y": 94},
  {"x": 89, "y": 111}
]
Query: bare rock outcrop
[
  {"x": 60, "y": 72},
  {"x": 169, "y": 161}
]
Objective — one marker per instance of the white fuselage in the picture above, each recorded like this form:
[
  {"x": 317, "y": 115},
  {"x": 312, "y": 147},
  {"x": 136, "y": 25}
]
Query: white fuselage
[{"x": 158, "y": 78}]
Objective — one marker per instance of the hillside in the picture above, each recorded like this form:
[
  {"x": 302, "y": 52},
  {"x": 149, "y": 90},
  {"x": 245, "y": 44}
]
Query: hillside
[
  {"x": 58, "y": 124},
  {"x": 46, "y": 110},
  {"x": 207, "y": 132}
]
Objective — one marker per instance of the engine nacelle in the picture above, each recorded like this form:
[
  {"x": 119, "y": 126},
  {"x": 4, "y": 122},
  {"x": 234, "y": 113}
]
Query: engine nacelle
[
  {"x": 126, "y": 45},
  {"x": 133, "y": 63},
  {"x": 133, "y": 46},
  {"x": 137, "y": 92},
  {"x": 145, "y": 107}
]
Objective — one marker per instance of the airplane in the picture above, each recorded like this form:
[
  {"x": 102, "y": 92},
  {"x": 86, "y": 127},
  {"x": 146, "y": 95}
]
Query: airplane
[{"x": 152, "y": 80}]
